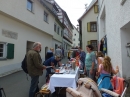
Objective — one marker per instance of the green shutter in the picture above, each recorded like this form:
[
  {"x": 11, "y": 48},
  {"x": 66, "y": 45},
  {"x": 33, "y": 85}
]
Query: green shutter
[
  {"x": 96, "y": 8},
  {"x": 88, "y": 27},
  {"x": 10, "y": 51}
]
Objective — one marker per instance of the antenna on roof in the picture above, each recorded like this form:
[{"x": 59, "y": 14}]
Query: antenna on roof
[{"x": 86, "y": 5}]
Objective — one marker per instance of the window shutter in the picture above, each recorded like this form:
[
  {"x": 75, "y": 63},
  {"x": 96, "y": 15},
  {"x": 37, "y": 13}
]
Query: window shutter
[
  {"x": 88, "y": 42},
  {"x": 88, "y": 27},
  {"x": 96, "y": 8},
  {"x": 10, "y": 51}
]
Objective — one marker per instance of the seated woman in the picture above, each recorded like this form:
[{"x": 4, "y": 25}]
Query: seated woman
[
  {"x": 53, "y": 61},
  {"x": 105, "y": 69}
]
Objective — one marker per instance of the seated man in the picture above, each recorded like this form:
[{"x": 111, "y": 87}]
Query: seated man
[{"x": 53, "y": 61}]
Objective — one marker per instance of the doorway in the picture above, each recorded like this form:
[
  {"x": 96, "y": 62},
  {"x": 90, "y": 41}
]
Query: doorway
[{"x": 29, "y": 45}]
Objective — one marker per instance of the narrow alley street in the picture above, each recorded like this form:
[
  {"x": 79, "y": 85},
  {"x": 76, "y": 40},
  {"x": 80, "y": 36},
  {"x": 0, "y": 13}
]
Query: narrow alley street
[{"x": 17, "y": 85}]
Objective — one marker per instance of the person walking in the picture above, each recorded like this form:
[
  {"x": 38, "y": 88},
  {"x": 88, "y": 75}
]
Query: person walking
[
  {"x": 34, "y": 67},
  {"x": 49, "y": 54},
  {"x": 90, "y": 67},
  {"x": 58, "y": 51}
]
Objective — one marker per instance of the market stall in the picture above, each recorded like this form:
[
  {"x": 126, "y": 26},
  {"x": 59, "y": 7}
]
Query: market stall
[
  {"x": 65, "y": 76},
  {"x": 66, "y": 79}
]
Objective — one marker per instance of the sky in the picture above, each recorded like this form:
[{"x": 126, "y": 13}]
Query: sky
[{"x": 73, "y": 8}]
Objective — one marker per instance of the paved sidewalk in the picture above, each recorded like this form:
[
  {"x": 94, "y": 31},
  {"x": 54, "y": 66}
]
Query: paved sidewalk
[{"x": 17, "y": 85}]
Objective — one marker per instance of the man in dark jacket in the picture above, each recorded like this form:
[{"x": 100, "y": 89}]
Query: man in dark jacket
[
  {"x": 53, "y": 61},
  {"x": 35, "y": 67}
]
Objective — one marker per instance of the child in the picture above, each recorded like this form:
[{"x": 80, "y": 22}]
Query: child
[
  {"x": 105, "y": 69},
  {"x": 100, "y": 58}
]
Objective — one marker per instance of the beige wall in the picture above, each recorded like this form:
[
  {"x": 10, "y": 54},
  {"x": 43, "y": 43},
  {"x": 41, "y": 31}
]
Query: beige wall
[
  {"x": 25, "y": 33},
  {"x": 87, "y": 36},
  {"x": 18, "y": 9}
]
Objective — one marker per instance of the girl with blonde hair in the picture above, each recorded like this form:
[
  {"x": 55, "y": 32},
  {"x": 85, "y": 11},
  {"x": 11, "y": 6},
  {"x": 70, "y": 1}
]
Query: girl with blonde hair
[{"x": 105, "y": 69}]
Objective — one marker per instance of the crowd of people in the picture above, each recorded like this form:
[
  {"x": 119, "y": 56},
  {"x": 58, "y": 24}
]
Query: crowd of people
[{"x": 94, "y": 64}]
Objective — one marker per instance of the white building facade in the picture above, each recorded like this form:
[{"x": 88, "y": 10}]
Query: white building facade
[
  {"x": 114, "y": 23},
  {"x": 58, "y": 27},
  {"x": 23, "y": 22},
  {"x": 75, "y": 38}
]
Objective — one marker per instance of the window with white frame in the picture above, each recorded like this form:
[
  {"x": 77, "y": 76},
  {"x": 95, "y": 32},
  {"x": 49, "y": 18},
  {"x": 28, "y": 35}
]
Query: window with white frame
[
  {"x": 3, "y": 50},
  {"x": 58, "y": 30},
  {"x": 55, "y": 27},
  {"x": 45, "y": 16},
  {"x": 6, "y": 50},
  {"x": 30, "y": 5}
]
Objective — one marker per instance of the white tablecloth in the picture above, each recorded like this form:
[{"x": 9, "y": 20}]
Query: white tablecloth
[{"x": 63, "y": 80}]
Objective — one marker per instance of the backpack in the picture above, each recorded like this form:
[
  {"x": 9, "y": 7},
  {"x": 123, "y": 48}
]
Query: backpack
[{"x": 24, "y": 65}]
